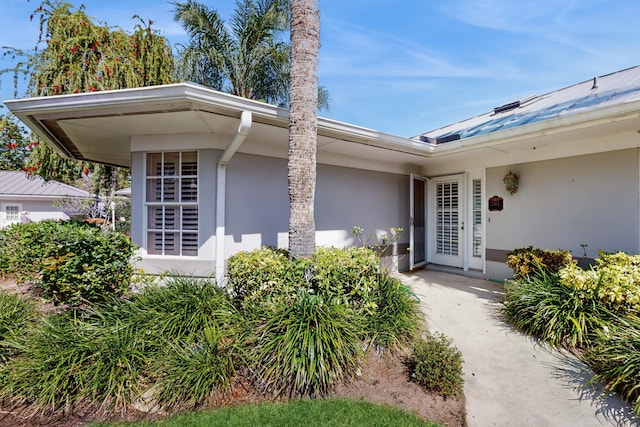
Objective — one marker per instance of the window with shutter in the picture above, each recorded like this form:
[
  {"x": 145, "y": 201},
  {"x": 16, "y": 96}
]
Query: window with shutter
[{"x": 172, "y": 203}]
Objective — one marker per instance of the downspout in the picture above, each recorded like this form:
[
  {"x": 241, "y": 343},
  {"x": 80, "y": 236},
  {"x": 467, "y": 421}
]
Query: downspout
[{"x": 221, "y": 176}]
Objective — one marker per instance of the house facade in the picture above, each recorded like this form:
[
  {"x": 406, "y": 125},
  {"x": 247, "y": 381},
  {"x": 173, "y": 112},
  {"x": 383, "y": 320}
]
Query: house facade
[
  {"x": 25, "y": 198},
  {"x": 209, "y": 174}
]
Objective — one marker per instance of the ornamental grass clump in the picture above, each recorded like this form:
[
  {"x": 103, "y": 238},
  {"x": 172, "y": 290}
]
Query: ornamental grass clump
[
  {"x": 541, "y": 305},
  {"x": 437, "y": 365},
  {"x": 307, "y": 347},
  {"x": 615, "y": 358},
  {"x": 189, "y": 372},
  {"x": 396, "y": 318},
  {"x": 171, "y": 345},
  {"x": 179, "y": 309},
  {"x": 16, "y": 315},
  {"x": 188, "y": 325},
  {"x": 76, "y": 357}
]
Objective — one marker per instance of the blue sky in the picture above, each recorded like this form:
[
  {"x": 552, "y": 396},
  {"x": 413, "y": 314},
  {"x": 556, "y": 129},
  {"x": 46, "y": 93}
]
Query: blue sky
[{"x": 410, "y": 66}]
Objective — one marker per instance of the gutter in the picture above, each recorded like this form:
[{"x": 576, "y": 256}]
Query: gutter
[{"x": 221, "y": 176}]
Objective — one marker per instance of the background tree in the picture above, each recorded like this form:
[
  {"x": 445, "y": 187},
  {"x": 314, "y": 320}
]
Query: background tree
[
  {"x": 248, "y": 58},
  {"x": 77, "y": 55},
  {"x": 303, "y": 126},
  {"x": 15, "y": 144}
]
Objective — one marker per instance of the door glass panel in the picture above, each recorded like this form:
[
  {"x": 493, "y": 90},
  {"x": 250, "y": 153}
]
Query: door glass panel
[
  {"x": 447, "y": 218},
  {"x": 477, "y": 218}
]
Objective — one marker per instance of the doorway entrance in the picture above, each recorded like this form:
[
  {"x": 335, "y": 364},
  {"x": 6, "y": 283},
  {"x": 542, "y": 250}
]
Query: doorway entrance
[{"x": 417, "y": 222}]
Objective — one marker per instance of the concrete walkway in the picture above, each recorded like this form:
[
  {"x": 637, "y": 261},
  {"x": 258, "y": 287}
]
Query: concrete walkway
[{"x": 510, "y": 380}]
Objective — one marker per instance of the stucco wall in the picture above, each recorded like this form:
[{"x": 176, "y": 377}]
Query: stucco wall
[
  {"x": 564, "y": 203},
  {"x": 258, "y": 203},
  {"x": 257, "y": 207}
]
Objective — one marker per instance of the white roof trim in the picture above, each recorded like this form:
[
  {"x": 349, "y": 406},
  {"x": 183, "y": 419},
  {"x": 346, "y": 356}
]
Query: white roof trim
[
  {"x": 182, "y": 97},
  {"x": 42, "y": 114}
]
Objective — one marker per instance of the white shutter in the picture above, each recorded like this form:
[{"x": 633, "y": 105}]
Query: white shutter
[{"x": 172, "y": 203}]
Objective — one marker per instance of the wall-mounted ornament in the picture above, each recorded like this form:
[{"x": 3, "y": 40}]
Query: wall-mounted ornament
[
  {"x": 496, "y": 203},
  {"x": 511, "y": 182}
]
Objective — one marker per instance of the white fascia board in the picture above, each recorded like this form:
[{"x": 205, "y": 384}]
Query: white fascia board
[
  {"x": 149, "y": 98},
  {"x": 590, "y": 118},
  {"x": 353, "y": 133}
]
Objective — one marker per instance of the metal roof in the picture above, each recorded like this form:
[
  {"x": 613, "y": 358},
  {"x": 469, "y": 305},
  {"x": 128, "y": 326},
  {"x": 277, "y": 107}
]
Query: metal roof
[
  {"x": 19, "y": 184},
  {"x": 607, "y": 90}
]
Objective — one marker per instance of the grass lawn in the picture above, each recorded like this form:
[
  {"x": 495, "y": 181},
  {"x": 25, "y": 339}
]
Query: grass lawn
[{"x": 308, "y": 413}]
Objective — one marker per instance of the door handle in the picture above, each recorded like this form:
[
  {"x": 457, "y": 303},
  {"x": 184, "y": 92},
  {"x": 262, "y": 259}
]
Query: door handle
[{"x": 462, "y": 227}]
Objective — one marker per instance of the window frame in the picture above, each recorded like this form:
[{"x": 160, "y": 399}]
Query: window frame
[
  {"x": 181, "y": 239},
  {"x": 5, "y": 220}
]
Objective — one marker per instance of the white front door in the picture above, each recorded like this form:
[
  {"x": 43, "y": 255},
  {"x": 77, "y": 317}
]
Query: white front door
[{"x": 446, "y": 242}]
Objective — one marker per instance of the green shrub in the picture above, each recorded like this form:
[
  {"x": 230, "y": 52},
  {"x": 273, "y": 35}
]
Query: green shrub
[
  {"x": 91, "y": 264},
  {"x": 615, "y": 280},
  {"x": 348, "y": 275},
  {"x": 396, "y": 318},
  {"x": 437, "y": 365},
  {"x": 525, "y": 261},
  {"x": 15, "y": 315},
  {"x": 123, "y": 227},
  {"x": 264, "y": 277},
  {"x": 72, "y": 261},
  {"x": 23, "y": 247},
  {"x": 307, "y": 347},
  {"x": 541, "y": 305},
  {"x": 615, "y": 358}
]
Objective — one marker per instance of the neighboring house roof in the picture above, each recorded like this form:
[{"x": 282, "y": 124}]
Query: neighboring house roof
[
  {"x": 605, "y": 91},
  {"x": 19, "y": 184}
]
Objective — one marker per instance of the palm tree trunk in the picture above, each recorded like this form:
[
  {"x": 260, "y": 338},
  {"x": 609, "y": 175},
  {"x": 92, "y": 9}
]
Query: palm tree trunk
[{"x": 303, "y": 126}]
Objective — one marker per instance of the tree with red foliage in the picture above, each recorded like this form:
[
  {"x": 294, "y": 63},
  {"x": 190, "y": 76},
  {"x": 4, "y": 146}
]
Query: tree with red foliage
[
  {"x": 75, "y": 54},
  {"x": 15, "y": 145}
]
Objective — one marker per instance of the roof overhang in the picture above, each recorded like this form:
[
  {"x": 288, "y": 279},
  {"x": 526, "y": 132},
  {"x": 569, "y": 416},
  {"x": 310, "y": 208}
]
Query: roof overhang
[
  {"x": 609, "y": 128},
  {"x": 99, "y": 126}
]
